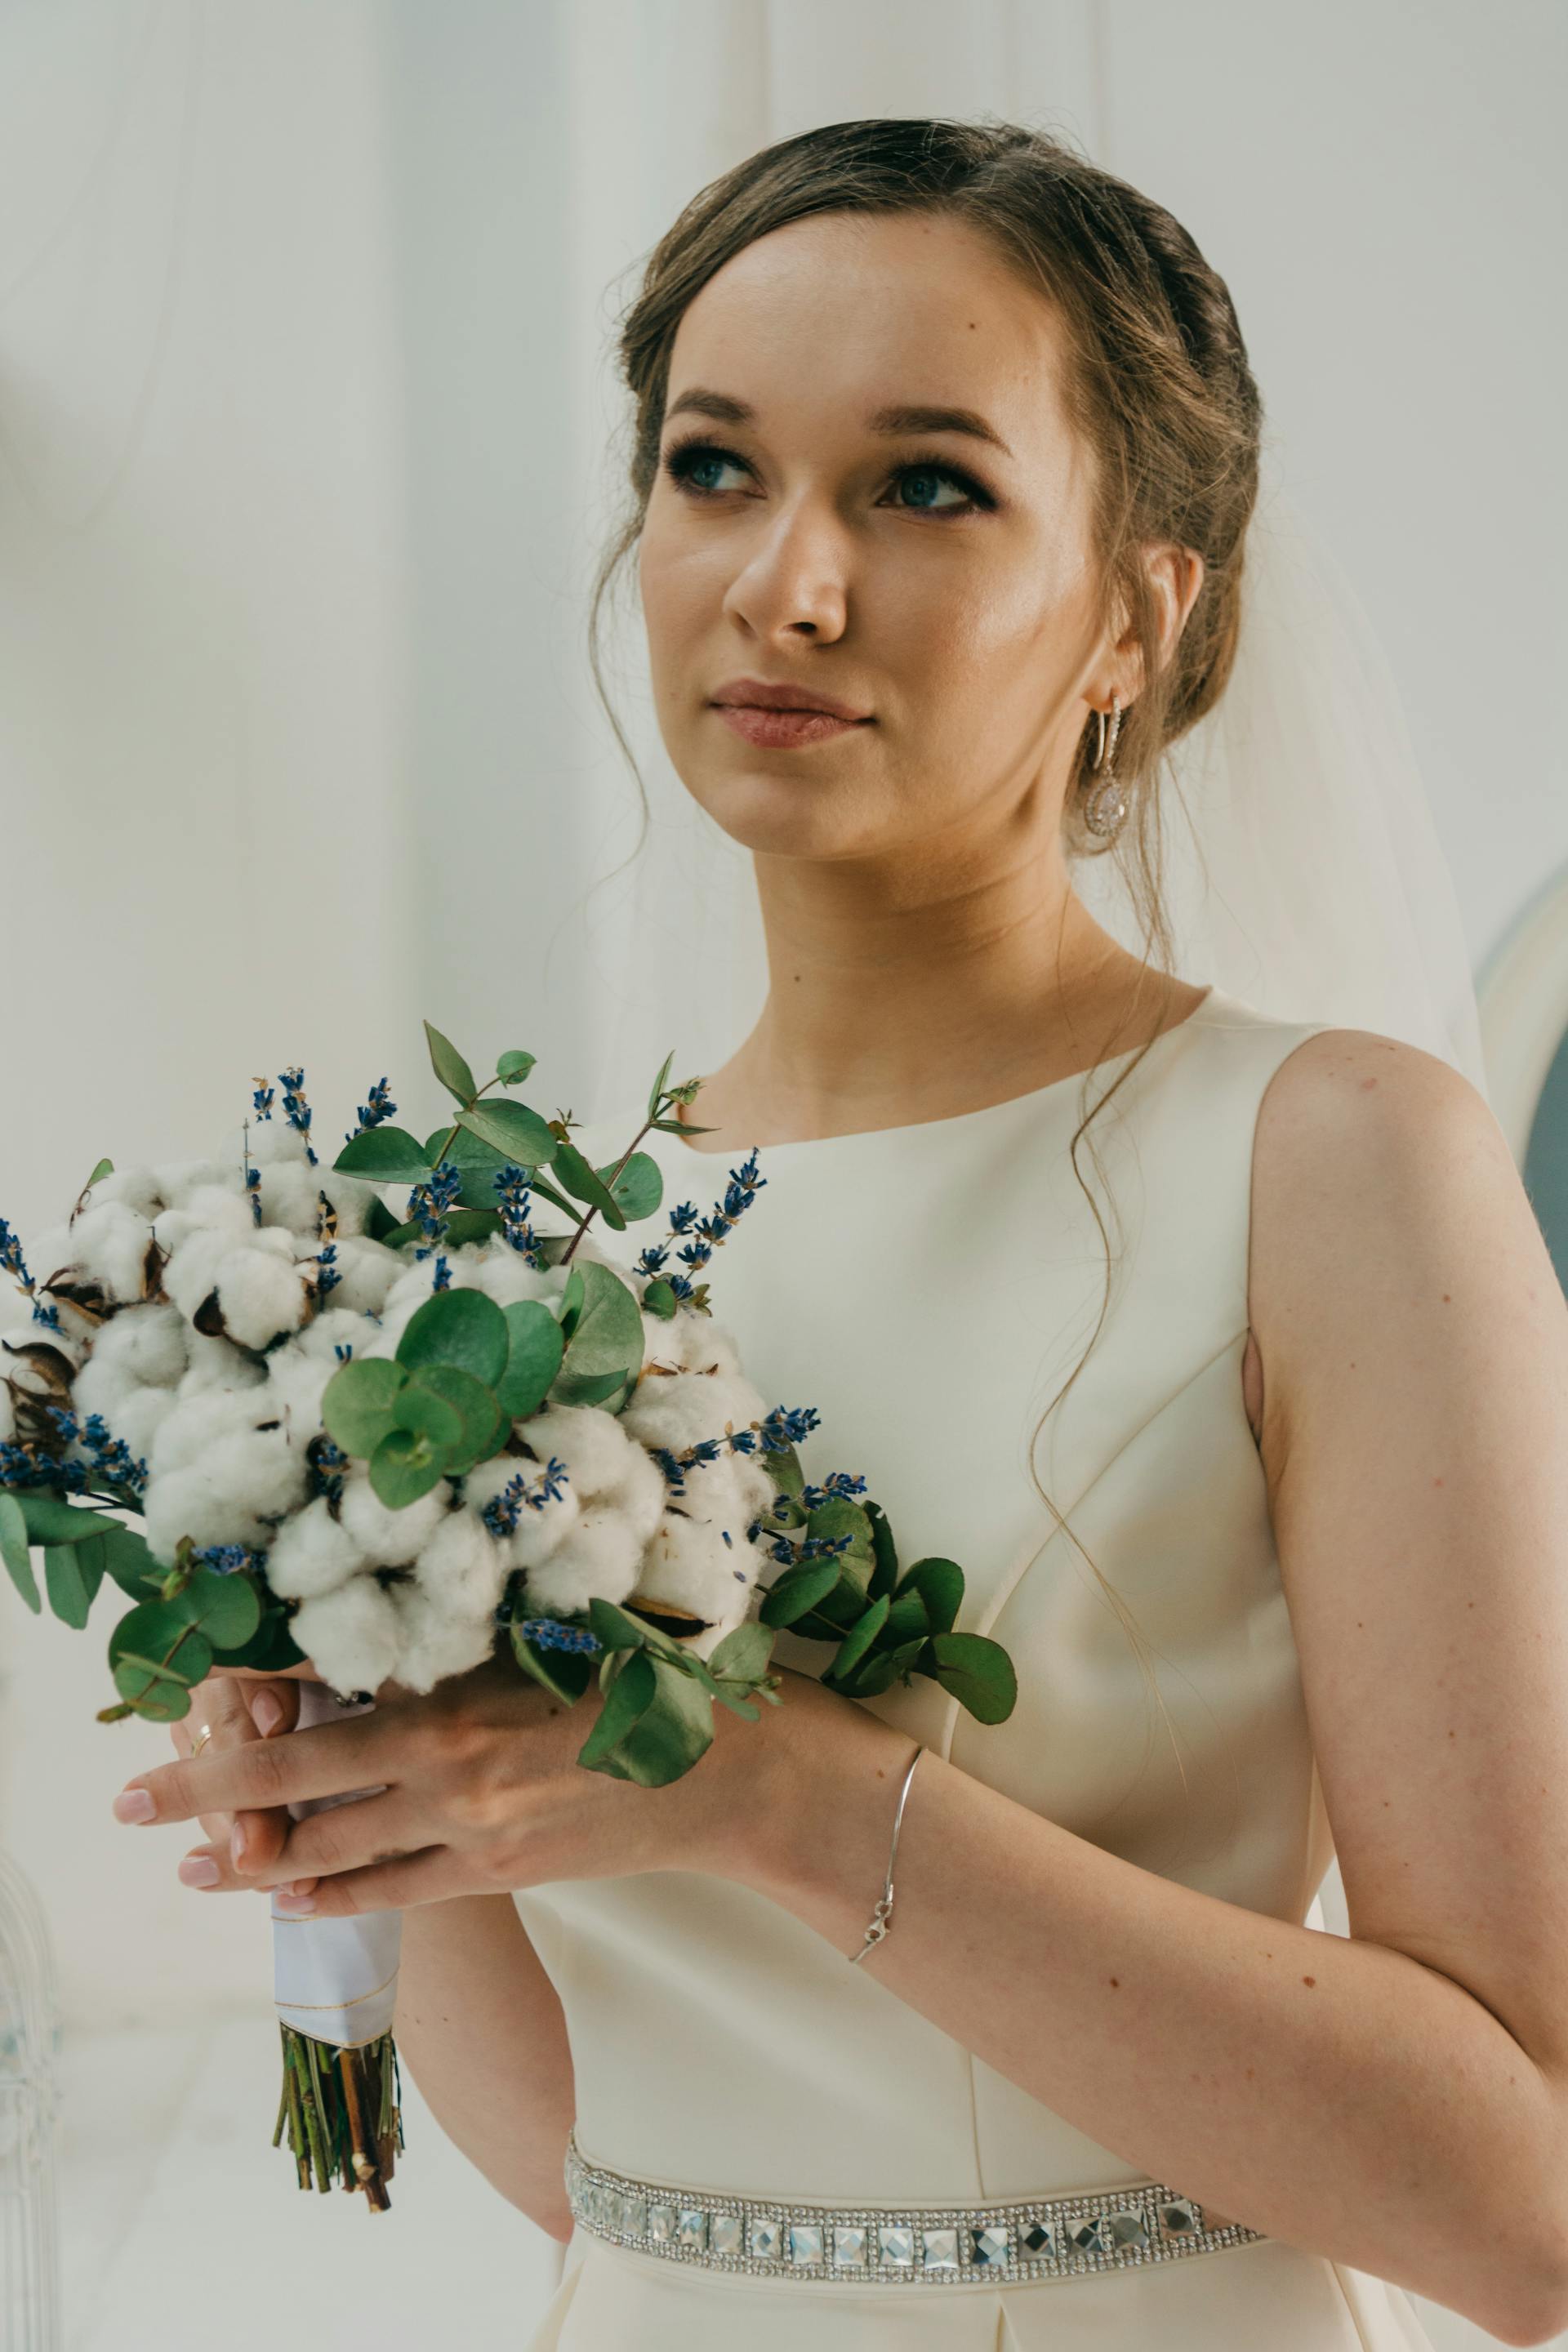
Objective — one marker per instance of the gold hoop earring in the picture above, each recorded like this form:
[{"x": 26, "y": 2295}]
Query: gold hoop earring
[{"x": 1105, "y": 809}]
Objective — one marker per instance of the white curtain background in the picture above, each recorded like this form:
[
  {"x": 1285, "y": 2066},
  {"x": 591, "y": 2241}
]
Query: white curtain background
[{"x": 307, "y": 449}]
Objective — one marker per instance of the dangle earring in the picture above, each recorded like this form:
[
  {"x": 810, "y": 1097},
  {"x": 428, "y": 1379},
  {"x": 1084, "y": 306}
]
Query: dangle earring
[{"x": 1106, "y": 805}]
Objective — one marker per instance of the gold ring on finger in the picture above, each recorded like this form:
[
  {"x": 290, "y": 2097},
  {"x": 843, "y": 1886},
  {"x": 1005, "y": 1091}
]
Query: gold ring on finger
[{"x": 200, "y": 1741}]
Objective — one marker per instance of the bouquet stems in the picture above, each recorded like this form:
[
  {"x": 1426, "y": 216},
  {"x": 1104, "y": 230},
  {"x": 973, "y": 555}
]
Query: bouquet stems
[{"x": 341, "y": 2110}]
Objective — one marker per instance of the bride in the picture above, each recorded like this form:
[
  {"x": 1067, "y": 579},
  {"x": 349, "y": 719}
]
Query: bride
[{"x": 949, "y": 438}]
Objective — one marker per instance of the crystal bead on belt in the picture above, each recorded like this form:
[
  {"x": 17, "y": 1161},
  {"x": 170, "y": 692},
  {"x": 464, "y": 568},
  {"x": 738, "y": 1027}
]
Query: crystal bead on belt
[{"x": 1015, "y": 2240}]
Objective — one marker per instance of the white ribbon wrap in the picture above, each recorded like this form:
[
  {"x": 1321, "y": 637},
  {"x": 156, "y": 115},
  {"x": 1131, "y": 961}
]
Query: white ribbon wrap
[{"x": 336, "y": 1980}]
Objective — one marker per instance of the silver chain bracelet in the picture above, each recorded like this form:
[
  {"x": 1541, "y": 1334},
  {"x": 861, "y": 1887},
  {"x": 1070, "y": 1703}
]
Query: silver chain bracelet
[{"x": 882, "y": 1916}]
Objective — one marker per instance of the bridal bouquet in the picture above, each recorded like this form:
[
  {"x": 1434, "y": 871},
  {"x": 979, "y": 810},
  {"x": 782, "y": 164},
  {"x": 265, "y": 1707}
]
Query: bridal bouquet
[{"x": 290, "y": 1425}]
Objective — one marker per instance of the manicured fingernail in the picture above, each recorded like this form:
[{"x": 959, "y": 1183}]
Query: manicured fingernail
[
  {"x": 297, "y": 1907},
  {"x": 134, "y": 1805},
  {"x": 200, "y": 1870},
  {"x": 237, "y": 1846},
  {"x": 299, "y": 1886},
  {"x": 267, "y": 1713}
]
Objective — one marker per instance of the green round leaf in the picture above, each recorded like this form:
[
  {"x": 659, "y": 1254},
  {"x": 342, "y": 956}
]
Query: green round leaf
[
  {"x": 940, "y": 1583},
  {"x": 465, "y": 1328},
  {"x": 72, "y": 1574},
  {"x": 226, "y": 1608},
  {"x": 402, "y": 1469},
  {"x": 629, "y": 1692},
  {"x": 536, "y": 1348},
  {"x": 418, "y": 1407},
  {"x": 584, "y": 1182},
  {"x": 14, "y": 1551},
  {"x": 484, "y": 1424},
  {"x": 605, "y": 1343},
  {"x": 151, "y": 1690},
  {"x": 670, "y": 1733},
  {"x": 384, "y": 1155},
  {"x": 858, "y": 1640},
  {"x": 512, "y": 1068},
  {"x": 639, "y": 1188},
  {"x": 978, "y": 1672},
  {"x": 356, "y": 1403},
  {"x": 526, "y": 1139},
  {"x": 796, "y": 1591}
]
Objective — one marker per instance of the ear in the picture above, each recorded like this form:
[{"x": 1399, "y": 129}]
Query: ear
[{"x": 1175, "y": 575}]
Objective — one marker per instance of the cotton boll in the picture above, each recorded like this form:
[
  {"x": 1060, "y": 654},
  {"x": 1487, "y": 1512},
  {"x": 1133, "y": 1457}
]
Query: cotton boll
[
  {"x": 351, "y": 1196},
  {"x": 592, "y": 1443},
  {"x": 138, "y": 1417},
  {"x": 600, "y": 1559},
  {"x": 689, "y": 1565},
  {"x": 261, "y": 1469},
  {"x": 505, "y": 1275},
  {"x": 298, "y": 1382},
  {"x": 289, "y": 1196},
  {"x": 259, "y": 1297},
  {"x": 138, "y": 1188},
  {"x": 195, "y": 1503},
  {"x": 695, "y": 1343},
  {"x": 196, "y": 1254},
  {"x": 51, "y": 1252},
  {"x": 336, "y": 1325},
  {"x": 390, "y": 1538},
  {"x": 366, "y": 1272},
  {"x": 218, "y": 1365},
  {"x": 462, "y": 1567},
  {"x": 111, "y": 1244},
  {"x": 177, "y": 1179},
  {"x": 677, "y": 1410},
  {"x": 145, "y": 1343},
  {"x": 433, "y": 1643},
  {"x": 640, "y": 1494},
  {"x": 200, "y": 1422},
  {"x": 310, "y": 1554},
  {"x": 541, "y": 1529},
  {"x": 352, "y": 1635}
]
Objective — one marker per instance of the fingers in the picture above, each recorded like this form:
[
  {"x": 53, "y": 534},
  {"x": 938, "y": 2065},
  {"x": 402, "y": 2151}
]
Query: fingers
[
  {"x": 235, "y": 1713},
  {"x": 342, "y": 1838},
  {"x": 332, "y": 1759},
  {"x": 432, "y": 1876}
]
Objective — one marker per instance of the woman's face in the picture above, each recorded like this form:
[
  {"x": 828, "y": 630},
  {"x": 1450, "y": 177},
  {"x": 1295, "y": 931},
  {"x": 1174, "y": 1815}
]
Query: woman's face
[{"x": 934, "y": 578}]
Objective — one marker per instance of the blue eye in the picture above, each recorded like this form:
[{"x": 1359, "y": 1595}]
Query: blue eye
[{"x": 683, "y": 462}]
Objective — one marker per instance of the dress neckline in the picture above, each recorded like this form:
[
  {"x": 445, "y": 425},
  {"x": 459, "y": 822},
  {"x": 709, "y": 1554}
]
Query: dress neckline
[{"x": 682, "y": 1150}]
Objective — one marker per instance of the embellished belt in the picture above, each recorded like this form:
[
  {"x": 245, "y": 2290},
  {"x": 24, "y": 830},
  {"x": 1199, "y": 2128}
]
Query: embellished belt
[{"x": 950, "y": 2245}]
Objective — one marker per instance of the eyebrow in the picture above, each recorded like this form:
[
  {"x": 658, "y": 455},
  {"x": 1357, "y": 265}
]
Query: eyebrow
[{"x": 724, "y": 409}]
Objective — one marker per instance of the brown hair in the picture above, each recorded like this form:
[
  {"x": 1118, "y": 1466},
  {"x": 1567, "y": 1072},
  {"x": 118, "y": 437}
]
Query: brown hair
[{"x": 1157, "y": 384}]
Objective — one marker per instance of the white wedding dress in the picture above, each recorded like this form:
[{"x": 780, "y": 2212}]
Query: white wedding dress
[{"x": 927, "y": 1288}]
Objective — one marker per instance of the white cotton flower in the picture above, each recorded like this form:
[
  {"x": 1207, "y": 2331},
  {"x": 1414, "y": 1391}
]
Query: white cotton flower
[
  {"x": 390, "y": 1538},
  {"x": 699, "y": 1557},
  {"x": 39, "y": 1357},
  {"x": 194, "y": 1502},
  {"x": 505, "y": 1275},
  {"x": 112, "y": 1243},
  {"x": 138, "y": 1188},
  {"x": 462, "y": 1567},
  {"x": 259, "y": 1295},
  {"x": 288, "y": 1192},
  {"x": 203, "y": 1421},
  {"x": 367, "y": 1271},
  {"x": 639, "y": 1493},
  {"x": 691, "y": 1343},
  {"x": 336, "y": 1325},
  {"x": 268, "y": 1140},
  {"x": 539, "y": 1527},
  {"x": 433, "y": 1643},
  {"x": 196, "y": 1254},
  {"x": 145, "y": 1344},
  {"x": 598, "y": 1558},
  {"x": 178, "y": 1180},
  {"x": 297, "y": 1382},
  {"x": 677, "y": 1410},
  {"x": 351, "y": 1636},
  {"x": 591, "y": 1442},
  {"x": 137, "y": 1416},
  {"x": 217, "y": 1364},
  {"x": 310, "y": 1554}
]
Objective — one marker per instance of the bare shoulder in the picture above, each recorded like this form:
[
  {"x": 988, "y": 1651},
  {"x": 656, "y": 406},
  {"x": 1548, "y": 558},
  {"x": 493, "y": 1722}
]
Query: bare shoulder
[{"x": 1381, "y": 1185}]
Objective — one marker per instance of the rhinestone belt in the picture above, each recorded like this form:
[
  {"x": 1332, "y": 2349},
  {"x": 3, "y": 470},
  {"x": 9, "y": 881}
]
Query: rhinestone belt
[{"x": 1038, "y": 2238}]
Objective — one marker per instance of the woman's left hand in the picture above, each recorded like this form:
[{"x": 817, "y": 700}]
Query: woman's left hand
[{"x": 483, "y": 1792}]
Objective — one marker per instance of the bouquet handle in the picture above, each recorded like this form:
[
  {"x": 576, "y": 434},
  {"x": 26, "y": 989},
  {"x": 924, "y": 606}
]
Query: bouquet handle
[{"x": 336, "y": 1987}]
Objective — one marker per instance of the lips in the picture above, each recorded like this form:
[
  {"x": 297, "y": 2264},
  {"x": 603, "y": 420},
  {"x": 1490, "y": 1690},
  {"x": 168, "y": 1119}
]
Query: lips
[{"x": 761, "y": 694}]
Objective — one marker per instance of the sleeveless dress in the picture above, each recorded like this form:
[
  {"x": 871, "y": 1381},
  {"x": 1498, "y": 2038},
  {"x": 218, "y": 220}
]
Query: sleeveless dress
[{"x": 928, "y": 1289}]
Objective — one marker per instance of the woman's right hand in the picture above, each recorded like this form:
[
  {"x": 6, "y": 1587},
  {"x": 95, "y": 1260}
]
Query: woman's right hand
[{"x": 239, "y": 1708}]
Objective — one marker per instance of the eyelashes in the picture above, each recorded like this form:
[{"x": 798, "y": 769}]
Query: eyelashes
[{"x": 682, "y": 460}]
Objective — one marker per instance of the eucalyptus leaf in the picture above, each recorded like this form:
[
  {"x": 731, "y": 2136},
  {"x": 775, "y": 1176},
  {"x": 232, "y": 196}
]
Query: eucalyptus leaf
[
  {"x": 484, "y": 1424},
  {"x": 584, "y": 1182},
  {"x": 631, "y": 1691},
  {"x": 859, "y": 1639},
  {"x": 884, "y": 1552},
  {"x": 528, "y": 1141},
  {"x": 536, "y": 1346},
  {"x": 565, "y": 1673},
  {"x": 402, "y": 1469},
  {"x": 465, "y": 1328},
  {"x": 153, "y": 1692},
  {"x": 670, "y": 1733},
  {"x": 384, "y": 1155},
  {"x": 940, "y": 1583},
  {"x": 270, "y": 1648},
  {"x": 459, "y": 1226},
  {"x": 14, "y": 1551},
  {"x": 796, "y": 1591},
  {"x": 614, "y": 1628},
  {"x": 657, "y": 1088},
  {"x": 52, "y": 1520},
  {"x": 72, "y": 1574},
  {"x": 659, "y": 1299},
  {"x": 513, "y": 1067},
  {"x": 417, "y": 1406},
  {"x": 978, "y": 1672},
  {"x": 908, "y": 1615},
  {"x": 356, "y": 1403},
  {"x": 743, "y": 1653},
  {"x": 130, "y": 1563},
  {"x": 639, "y": 1189},
  {"x": 449, "y": 1067},
  {"x": 605, "y": 1339},
  {"x": 226, "y": 1608}
]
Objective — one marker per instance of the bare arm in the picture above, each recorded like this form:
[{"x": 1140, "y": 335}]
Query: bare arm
[
  {"x": 480, "y": 2028},
  {"x": 1395, "y": 2099}
]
